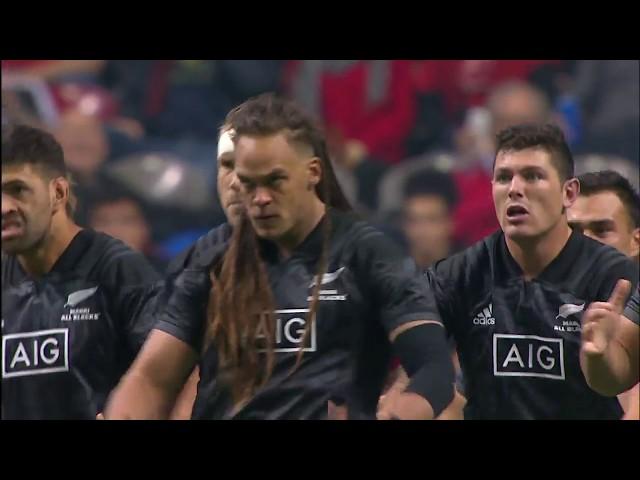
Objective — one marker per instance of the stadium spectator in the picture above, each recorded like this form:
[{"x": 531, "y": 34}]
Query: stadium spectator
[
  {"x": 607, "y": 91},
  {"x": 118, "y": 213},
  {"x": 427, "y": 221}
]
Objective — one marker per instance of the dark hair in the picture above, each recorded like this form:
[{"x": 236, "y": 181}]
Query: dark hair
[
  {"x": 110, "y": 192},
  {"x": 432, "y": 182},
  {"x": 22, "y": 144},
  {"x": 548, "y": 137},
  {"x": 26, "y": 145},
  {"x": 610, "y": 181},
  {"x": 241, "y": 305}
]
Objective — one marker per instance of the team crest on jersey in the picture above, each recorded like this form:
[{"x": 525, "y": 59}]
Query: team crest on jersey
[
  {"x": 565, "y": 311},
  {"x": 79, "y": 314},
  {"x": 328, "y": 294}
]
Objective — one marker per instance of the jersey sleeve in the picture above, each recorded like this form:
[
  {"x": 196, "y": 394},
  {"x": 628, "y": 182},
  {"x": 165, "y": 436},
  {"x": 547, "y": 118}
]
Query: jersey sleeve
[
  {"x": 135, "y": 286},
  {"x": 184, "y": 306},
  {"x": 612, "y": 269},
  {"x": 394, "y": 282},
  {"x": 441, "y": 280},
  {"x": 187, "y": 288},
  {"x": 632, "y": 308}
]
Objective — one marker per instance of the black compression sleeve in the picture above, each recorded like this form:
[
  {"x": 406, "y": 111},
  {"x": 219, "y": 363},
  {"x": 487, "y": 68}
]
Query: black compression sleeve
[{"x": 424, "y": 354}]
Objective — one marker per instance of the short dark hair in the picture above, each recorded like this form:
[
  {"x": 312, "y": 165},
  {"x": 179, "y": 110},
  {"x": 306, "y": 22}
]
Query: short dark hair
[
  {"x": 26, "y": 145},
  {"x": 22, "y": 144},
  {"x": 432, "y": 182},
  {"x": 548, "y": 137},
  {"x": 108, "y": 195},
  {"x": 610, "y": 181}
]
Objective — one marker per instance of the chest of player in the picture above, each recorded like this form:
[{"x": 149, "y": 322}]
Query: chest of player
[
  {"x": 340, "y": 306},
  {"x": 51, "y": 327},
  {"x": 528, "y": 328}
]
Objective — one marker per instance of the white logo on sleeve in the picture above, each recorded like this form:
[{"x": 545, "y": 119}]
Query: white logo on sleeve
[
  {"x": 485, "y": 317},
  {"x": 80, "y": 296}
]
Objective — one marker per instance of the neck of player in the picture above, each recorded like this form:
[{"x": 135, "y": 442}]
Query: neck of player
[
  {"x": 302, "y": 229},
  {"x": 533, "y": 255},
  {"x": 41, "y": 259}
]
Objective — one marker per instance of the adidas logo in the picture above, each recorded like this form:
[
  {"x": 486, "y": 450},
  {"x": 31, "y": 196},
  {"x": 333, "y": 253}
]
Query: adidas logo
[{"x": 485, "y": 317}]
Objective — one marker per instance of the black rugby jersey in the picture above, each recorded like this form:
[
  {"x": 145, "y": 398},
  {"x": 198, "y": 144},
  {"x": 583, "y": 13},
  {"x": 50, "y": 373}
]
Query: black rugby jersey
[
  {"x": 631, "y": 310},
  {"x": 69, "y": 336},
  {"x": 369, "y": 289},
  {"x": 519, "y": 341}
]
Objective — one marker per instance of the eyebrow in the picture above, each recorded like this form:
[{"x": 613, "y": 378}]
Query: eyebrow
[
  {"x": 526, "y": 168},
  {"x": 604, "y": 222},
  {"x": 276, "y": 172},
  {"x": 14, "y": 183}
]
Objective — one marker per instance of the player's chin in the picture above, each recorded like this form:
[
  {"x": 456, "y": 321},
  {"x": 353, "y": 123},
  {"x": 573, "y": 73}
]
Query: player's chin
[
  {"x": 13, "y": 245},
  {"x": 268, "y": 233},
  {"x": 517, "y": 232}
]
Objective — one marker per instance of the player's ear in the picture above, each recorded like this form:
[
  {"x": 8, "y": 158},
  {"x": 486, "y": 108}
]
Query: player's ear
[
  {"x": 315, "y": 172},
  {"x": 60, "y": 193},
  {"x": 571, "y": 190},
  {"x": 634, "y": 248}
]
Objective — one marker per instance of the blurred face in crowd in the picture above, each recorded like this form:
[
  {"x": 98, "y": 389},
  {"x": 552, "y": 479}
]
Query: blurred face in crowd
[
  {"x": 84, "y": 143},
  {"x": 122, "y": 219},
  {"x": 528, "y": 195},
  {"x": 30, "y": 199},
  {"x": 517, "y": 105},
  {"x": 428, "y": 227},
  {"x": 278, "y": 180},
  {"x": 228, "y": 186},
  {"x": 603, "y": 217}
]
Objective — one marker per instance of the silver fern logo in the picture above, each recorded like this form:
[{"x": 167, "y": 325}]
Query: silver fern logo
[
  {"x": 569, "y": 309},
  {"x": 80, "y": 296},
  {"x": 327, "y": 277}
]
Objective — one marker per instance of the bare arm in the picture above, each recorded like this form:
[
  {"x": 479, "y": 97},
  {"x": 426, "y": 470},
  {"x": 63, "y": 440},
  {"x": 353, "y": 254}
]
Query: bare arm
[
  {"x": 150, "y": 388},
  {"x": 434, "y": 377},
  {"x": 454, "y": 411},
  {"x": 630, "y": 401},
  {"x": 184, "y": 405}
]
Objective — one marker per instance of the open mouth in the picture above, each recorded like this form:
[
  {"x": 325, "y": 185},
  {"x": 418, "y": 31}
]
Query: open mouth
[
  {"x": 11, "y": 229},
  {"x": 516, "y": 212}
]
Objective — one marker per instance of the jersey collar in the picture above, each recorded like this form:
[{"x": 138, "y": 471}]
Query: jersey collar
[
  {"x": 559, "y": 268},
  {"x": 311, "y": 246},
  {"x": 74, "y": 252}
]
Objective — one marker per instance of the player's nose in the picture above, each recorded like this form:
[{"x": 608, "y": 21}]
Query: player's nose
[
  {"x": 8, "y": 205},
  {"x": 516, "y": 187}
]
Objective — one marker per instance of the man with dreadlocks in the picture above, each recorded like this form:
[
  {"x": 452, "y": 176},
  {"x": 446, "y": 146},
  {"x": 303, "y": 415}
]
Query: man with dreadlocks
[{"x": 301, "y": 299}]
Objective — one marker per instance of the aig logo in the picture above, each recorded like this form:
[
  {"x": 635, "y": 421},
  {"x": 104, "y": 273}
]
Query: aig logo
[
  {"x": 34, "y": 353},
  {"x": 289, "y": 332},
  {"x": 528, "y": 356}
]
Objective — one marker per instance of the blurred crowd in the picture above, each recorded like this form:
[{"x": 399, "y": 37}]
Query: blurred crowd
[{"x": 412, "y": 141}]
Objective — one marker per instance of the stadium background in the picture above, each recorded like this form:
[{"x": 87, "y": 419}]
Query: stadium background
[{"x": 140, "y": 136}]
